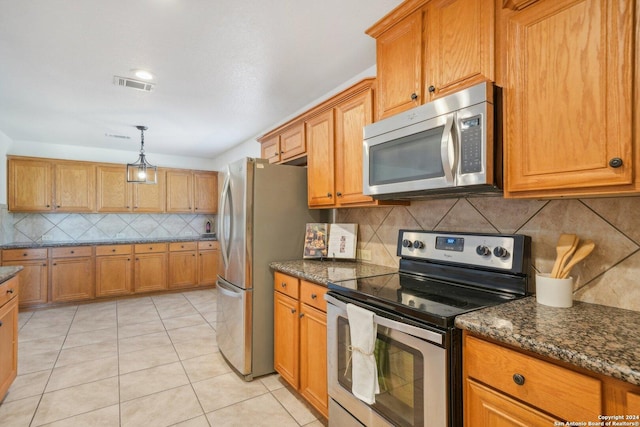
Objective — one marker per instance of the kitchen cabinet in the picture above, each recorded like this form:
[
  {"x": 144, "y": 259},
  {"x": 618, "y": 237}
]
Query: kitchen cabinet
[
  {"x": 429, "y": 49},
  {"x": 519, "y": 389},
  {"x": 150, "y": 268},
  {"x": 320, "y": 160},
  {"x": 30, "y": 185},
  {"x": 185, "y": 197},
  {"x": 208, "y": 259},
  {"x": 34, "y": 277},
  {"x": 72, "y": 274},
  {"x": 114, "y": 268},
  {"x": 9, "y": 291},
  {"x": 567, "y": 72},
  {"x": 115, "y": 194},
  {"x": 284, "y": 144},
  {"x": 75, "y": 184},
  {"x": 300, "y": 343},
  {"x": 183, "y": 264}
]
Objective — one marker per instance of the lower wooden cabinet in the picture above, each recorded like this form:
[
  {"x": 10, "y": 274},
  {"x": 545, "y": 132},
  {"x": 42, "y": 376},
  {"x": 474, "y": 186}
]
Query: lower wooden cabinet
[
  {"x": 208, "y": 259},
  {"x": 72, "y": 274},
  {"x": 114, "y": 268},
  {"x": 300, "y": 331},
  {"x": 150, "y": 267},
  {"x": 183, "y": 265},
  {"x": 34, "y": 277},
  {"x": 9, "y": 291}
]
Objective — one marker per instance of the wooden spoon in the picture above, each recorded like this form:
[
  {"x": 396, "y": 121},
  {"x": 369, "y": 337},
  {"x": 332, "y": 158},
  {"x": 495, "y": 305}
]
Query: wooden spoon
[
  {"x": 581, "y": 253},
  {"x": 567, "y": 244}
]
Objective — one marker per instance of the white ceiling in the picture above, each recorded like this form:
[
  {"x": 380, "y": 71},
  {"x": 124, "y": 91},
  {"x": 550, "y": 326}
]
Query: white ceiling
[{"x": 226, "y": 70}]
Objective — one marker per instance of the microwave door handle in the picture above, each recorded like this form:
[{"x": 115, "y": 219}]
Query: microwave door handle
[{"x": 447, "y": 149}]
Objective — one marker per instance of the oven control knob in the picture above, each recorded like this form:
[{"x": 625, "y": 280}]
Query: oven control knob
[
  {"x": 418, "y": 244},
  {"x": 407, "y": 243},
  {"x": 501, "y": 252},
  {"x": 483, "y": 250}
]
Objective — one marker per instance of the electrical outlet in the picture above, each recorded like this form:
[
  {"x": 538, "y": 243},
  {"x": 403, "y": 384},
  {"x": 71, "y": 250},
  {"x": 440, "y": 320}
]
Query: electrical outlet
[
  {"x": 364, "y": 254},
  {"x": 46, "y": 237}
]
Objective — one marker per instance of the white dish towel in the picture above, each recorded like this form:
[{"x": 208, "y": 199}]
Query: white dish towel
[{"x": 364, "y": 373}]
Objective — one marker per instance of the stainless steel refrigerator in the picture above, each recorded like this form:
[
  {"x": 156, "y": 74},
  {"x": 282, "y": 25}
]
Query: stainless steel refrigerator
[{"x": 262, "y": 214}]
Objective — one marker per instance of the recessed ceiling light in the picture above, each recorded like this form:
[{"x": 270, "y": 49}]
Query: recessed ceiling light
[{"x": 143, "y": 74}]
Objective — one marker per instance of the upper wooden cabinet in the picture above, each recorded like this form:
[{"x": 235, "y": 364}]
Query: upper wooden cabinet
[
  {"x": 39, "y": 185},
  {"x": 429, "y": 49},
  {"x": 192, "y": 192},
  {"x": 115, "y": 194},
  {"x": 284, "y": 144},
  {"x": 320, "y": 164},
  {"x": 567, "y": 69}
]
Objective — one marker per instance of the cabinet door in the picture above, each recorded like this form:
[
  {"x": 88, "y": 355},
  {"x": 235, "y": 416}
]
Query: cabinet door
[
  {"x": 351, "y": 117},
  {"x": 292, "y": 142},
  {"x": 270, "y": 149},
  {"x": 113, "y": 193},
  {"x": 149, "y": 198},
  {"x": 30, "y": 185},
  {"x": 179, "y": 191},
  {"x": 150, "y": 272},
  {"x": 72, "y": 279},
  {"x": 313, "y": 358},
  {"x": 9, "y": 345},
  {"x": 399, "y": 65},
  {"x": 459, "y": 45},
  {"x": 75, "y": 187},
  {"x": 568, "y": 95},
  {"x": 207, "y": 267},
  {"x": 320, "y": 161},
  {"x": 205, "y": 192},
  {"x": 113, "y": 275},
  {"x": 33, "y": 281},
  {"x": 286, "y": 331},
  {"x": 488, "y": 408},
  {"x": 183, "y": 269}
]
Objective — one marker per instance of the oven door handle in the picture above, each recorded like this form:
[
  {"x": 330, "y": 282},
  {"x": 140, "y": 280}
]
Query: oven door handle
[{"x": 425, "y": 334}]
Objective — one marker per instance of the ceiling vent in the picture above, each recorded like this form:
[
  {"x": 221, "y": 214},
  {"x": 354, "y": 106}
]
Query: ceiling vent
[{"x": 133, "y": 84}]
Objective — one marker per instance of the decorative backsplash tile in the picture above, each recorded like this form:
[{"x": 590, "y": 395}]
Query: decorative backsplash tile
[
  {"x": 66, "y": 227},
  {"x": 609, "y": 276}
]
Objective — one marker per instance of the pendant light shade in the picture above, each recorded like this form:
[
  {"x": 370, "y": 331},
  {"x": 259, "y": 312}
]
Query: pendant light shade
[{"x": 141, "y": 172}]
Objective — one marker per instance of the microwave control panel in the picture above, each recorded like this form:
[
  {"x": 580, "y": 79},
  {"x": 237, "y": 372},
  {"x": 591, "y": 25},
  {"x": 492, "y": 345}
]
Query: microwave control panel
[{"x": 471, "y": 144}]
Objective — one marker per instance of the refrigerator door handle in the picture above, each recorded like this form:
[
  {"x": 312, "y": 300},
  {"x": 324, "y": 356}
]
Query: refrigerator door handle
[
  {"x": 224, "y": 199},
  {"x": 227, "y": 290}
]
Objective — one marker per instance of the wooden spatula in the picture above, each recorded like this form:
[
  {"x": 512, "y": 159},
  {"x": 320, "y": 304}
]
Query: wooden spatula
[
  {"x": 581, "y": 253},
  {"x": 567, "y": 244}
]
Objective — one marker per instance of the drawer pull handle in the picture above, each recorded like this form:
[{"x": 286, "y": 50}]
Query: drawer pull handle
[
  {"x": 73, "y": 252},
  {"x": 113, "y": 250},
  {"x": 283, "y": 284},
  {"x": 293, "y": 311},
  {"x": 301, "y": 315},
  {"x": 10, "y": 291},
  {"x": 314, "y": 296},
  {"x": 518, "y": 379},
  {"x": 25, "y": 254}
]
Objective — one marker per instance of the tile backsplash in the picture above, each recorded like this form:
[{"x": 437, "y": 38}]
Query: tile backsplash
[
  {"x": 73, "y": 227},
  {"x": 609, "y": 276}
]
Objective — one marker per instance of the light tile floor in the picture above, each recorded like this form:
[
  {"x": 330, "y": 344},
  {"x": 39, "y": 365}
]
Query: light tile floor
[{"x": 144, "y": 361}]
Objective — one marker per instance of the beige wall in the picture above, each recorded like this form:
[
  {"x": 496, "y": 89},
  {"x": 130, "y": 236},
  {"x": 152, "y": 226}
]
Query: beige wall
[{"x": 609, "y": 276}]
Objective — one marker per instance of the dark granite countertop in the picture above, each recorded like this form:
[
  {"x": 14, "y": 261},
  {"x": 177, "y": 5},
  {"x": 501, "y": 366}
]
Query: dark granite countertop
[
  {"x": 323, "y": 272},
  {"x": 596, "y": 337},
  {"x": 7, "y": 273},
  {"x": 51, "y": 244}
]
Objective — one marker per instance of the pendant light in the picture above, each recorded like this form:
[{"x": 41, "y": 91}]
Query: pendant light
[{"x": 141, "y": 172}]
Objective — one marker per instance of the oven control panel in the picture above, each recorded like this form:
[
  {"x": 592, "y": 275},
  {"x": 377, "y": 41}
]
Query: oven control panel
[{"x": 481, "y": 250}]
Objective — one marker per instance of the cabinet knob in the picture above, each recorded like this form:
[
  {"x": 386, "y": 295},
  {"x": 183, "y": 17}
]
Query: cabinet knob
[
  {"x": 339, "y": 194},
  {"x": 0, "y": 322},
  {"x": 282, "y": 152},
  {"x": 616, "y": 162},
  {"x": 113, "y": 250},
  {"x": 44, "y": 265},
  {"x": 283, "y": 284},
  {"x": 293, "y": 311},
  {"x": 128, "y": 207},
  {"x": 432, "y": 89},
  {"x": 518, "y": 379},
  {"x": 301, "y": 315},
  {"x": 196, "y": 208},
  {"x": 150, "y": 248},
  {"x": 25, "y": 254},
  {"x": 55, "y": 263},
  {"x": 128, "y": 259},
  {"x": 414, "y": 96},
  {"x": 314, "y": 296},
  {"x": 10, "y": 291},
  {"x": 58, "y": 206},
  {"x": 328, "y": 194},
  {"x": 73, "y": 252},
  {"x": 48, "y": 206}
]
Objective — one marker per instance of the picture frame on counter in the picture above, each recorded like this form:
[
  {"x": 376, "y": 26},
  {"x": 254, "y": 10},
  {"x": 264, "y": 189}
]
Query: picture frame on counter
[{"x": 330, "y": 241}]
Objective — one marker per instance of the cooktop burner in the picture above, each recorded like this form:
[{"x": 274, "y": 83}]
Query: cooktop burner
[{"x": 445, "y": 274}]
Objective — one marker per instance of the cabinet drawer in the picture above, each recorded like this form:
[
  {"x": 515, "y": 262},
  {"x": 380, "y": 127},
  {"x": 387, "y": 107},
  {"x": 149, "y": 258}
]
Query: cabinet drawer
[
  {"x": 551, "y": 388},
  {"x": 8, "y": 290},
  {"x": 23, "y": 254},
  {"x": 150, "y": 248},
  {"x": 113, "y": 250},
  {"x": 182, "y": 246},
  {"x": 214, "y": 244},
  {"x": 313, "y": 295},
  {"x": 71, "y": 251},
  {"x": 288, "y": 285}
]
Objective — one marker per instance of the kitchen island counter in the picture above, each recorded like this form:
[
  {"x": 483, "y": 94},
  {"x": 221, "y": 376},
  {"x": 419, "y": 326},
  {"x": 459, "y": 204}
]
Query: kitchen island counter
[
  {"x": 323, "y": 272},
  {"x": 599, "y": 338}
]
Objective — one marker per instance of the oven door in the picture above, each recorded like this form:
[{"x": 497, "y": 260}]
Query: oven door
[
  {"x": 412, "y": 372},
  {"x": 418, "y": 157}
]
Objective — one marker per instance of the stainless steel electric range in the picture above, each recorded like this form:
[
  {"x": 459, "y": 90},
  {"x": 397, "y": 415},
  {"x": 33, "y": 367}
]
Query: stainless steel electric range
[{"x": 418, "y": 349}]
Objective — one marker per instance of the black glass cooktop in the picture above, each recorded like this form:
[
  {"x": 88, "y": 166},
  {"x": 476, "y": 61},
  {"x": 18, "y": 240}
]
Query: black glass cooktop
[{"x": 418, "y": 298}]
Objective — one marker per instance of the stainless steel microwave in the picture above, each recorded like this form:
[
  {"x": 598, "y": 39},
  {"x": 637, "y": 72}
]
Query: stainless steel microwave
[{"x": 446, "y": 147}]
